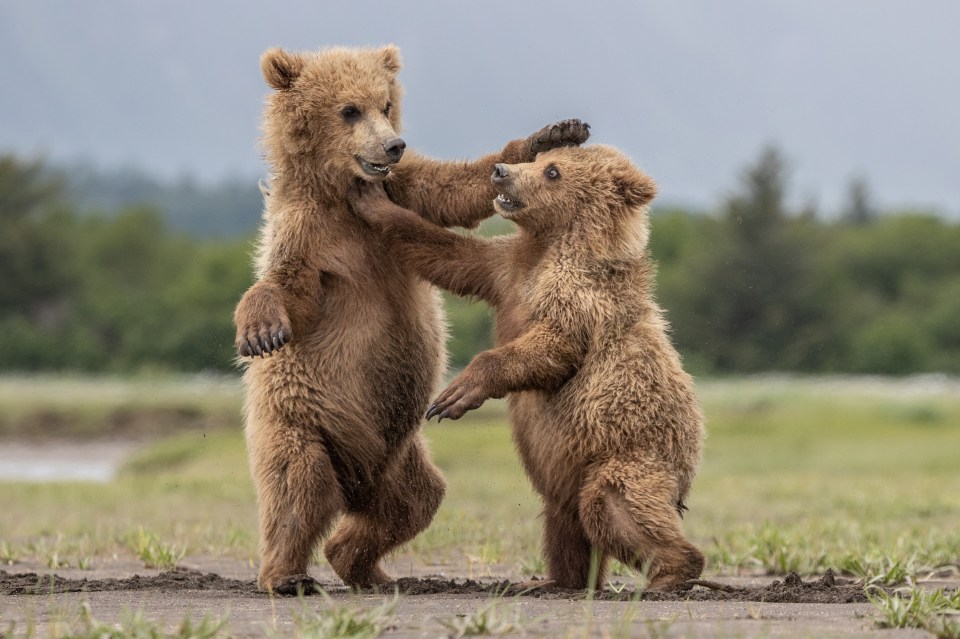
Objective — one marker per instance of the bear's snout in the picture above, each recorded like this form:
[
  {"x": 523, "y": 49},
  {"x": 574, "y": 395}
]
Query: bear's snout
[
  {"x": 500, "y": 173},
  {"x": 394, "y": 148}
]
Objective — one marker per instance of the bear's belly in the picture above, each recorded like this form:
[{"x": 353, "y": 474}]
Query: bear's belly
[
  {"x": 553, "y": 459},
  {"x": 610, "y": 408},
  {"x": 629, "y": 402},
  {"x": 370, "y": 363}
]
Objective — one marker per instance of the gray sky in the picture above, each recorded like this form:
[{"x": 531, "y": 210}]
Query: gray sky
[{"x": 690, "y": 89}]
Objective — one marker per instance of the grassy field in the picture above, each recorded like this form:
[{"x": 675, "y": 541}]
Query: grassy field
[{"x": 859, "y": 475}]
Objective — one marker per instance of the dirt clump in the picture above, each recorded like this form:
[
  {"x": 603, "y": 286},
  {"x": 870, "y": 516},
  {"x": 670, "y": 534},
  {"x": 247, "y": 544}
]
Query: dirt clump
[
  {"x": 827, "y": 589},
  {"x": 176, "y": 580}
]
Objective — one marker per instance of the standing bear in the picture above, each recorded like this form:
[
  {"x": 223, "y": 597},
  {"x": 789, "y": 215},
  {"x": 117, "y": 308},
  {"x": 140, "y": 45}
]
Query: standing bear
[
  {"x": 604, "y": 417},
  {"x": 355, "y": 338}
]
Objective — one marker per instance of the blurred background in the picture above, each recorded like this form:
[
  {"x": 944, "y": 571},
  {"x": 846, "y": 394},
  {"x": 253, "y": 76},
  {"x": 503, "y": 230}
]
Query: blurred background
[
  {"x": 808, "y": 156},
  {"x": 807, "y": 234}
]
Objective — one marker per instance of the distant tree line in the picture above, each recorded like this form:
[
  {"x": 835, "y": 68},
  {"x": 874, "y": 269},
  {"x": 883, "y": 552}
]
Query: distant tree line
[
  {"x": 760, "y": 287},
  {"x": 230, "y": 208},
  {"x": 755, "y": 287},
  {"x": 108, "y": 293}
]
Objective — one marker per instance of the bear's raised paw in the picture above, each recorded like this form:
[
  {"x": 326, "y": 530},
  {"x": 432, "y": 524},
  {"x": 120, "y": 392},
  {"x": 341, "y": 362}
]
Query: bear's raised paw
[{"x": 571, "y": 132}]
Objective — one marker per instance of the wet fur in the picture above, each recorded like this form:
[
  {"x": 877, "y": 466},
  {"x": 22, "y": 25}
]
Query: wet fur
[{"x": 604, "y": 417}]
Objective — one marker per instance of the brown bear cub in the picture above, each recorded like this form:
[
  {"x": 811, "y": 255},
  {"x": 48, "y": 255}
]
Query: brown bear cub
[
  {"x": 356, "y": 339},
  {"x": 604, "y": 417}
]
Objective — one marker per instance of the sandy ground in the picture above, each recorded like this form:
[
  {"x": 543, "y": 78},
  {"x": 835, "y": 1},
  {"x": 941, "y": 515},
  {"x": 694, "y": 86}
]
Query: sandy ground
[{"x": 226, "y": 588}]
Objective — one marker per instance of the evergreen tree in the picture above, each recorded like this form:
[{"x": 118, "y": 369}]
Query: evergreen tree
[
  {"x": 745, "y": 298},
  {"x": 34, "y": 243},
  {"x": 859, "y": 210}
]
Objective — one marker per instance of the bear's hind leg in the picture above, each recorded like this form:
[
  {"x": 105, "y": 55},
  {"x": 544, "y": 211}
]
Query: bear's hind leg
[
  {"x": 299, "y": 497},
  {"x": 629, "y": 509},
  {"x": 567, "y": 548},
  {"x": 408, "y": 496}
]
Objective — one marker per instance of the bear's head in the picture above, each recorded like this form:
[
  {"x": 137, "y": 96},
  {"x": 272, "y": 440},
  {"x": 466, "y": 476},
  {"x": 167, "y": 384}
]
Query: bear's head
[
  {"x": 336, "y": 111},
  {"x": 590, "y": 187}
]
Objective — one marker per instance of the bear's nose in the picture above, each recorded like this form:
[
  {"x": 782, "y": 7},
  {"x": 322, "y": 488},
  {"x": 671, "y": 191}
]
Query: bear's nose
[
  {"x": 394, "y": 148},
  {"x": 499, "y": 172}
]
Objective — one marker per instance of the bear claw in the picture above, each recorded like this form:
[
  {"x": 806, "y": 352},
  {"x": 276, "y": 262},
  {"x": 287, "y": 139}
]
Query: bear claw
[{"x": 264, "y": 343}]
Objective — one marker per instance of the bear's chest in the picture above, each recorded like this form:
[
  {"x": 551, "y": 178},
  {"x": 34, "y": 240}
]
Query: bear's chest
[
  {"x": 552, "y": 290},
  {"x": 513, "y": 318},
  {"x": 521, "y": 303}
]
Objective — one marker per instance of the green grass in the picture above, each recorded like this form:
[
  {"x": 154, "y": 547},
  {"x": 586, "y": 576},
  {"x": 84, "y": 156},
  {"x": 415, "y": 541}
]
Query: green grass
[
  {"x": 203, "y": 500},
  {"x": 154, "y": 553},
  {"x": 41, "y": 406},
  {"x": 491, "y": 619},
  {"x": 342, "y": 621},
  {"x": 131, "y": 625},
  {"x": 857, "y": 475},
  {"x": 804, "y": 476},
  {"x": 935, "y": 611}
]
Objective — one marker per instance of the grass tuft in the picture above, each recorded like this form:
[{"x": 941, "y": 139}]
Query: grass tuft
[
  {"x": 934, "y": 611},
  {"x": 153, "y": 553},
  {"x": 533, "y": 565},
  {"x": 880, "y": 570},
  {"x": 8, "y": 555},
  {"x": 132, "y": 625},
  {"x": 489, "y": 620},
  {"x": 342, "y": 621}
]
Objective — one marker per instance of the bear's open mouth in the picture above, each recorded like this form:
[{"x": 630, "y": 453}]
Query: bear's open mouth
[
  {"x": 375, "y": 170},
  {"x": 506, "y": 203}
]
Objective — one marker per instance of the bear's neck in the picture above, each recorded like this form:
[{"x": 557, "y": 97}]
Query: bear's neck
[
  {"x": 299, "y": 181},
  {"x": 586, "y": 242}
]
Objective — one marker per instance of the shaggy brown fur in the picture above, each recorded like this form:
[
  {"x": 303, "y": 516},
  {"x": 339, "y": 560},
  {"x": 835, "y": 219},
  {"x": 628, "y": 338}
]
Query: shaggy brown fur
[
  {"x": 357, "y": 340},
  {"x": 604, "y": 417}
]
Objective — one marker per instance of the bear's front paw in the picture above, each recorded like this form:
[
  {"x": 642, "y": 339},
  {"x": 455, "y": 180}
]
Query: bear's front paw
[
  {"x": 369, "y": 200},
  {"x": 563, "y": 133},
  {"x": 463, "y": 394},
  {"x": 263, "y": 338}
]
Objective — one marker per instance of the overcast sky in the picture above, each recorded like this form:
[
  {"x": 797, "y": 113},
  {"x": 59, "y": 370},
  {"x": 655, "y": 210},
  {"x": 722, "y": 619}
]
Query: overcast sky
[{"x": 690, "y": 89}]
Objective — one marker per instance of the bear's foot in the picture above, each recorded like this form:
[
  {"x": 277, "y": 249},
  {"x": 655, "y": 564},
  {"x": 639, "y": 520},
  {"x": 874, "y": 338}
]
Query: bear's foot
[
  {"x": 294, "y": 585},
  {"x": 351, "y": 567},
  {"x": 533, "y": 584},
  {"x": 669, "y": 583},
  {"x": 677, "y": 577},
  {"x": 365, "y": 579}
]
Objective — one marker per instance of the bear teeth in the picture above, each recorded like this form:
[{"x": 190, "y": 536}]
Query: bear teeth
[
  {"x": 373, "y": 169},
  {"x": 504, "y": 198}
]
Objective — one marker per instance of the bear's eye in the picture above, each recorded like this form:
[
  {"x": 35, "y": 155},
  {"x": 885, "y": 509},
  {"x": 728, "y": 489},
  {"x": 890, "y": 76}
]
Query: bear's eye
[
  {"x": 551, "y": 173},
  {"x": 351, "y": 113},
  {"x": 386, "y": 109}
]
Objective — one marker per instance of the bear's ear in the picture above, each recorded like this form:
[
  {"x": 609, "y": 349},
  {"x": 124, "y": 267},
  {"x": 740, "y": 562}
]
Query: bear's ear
[
  {"x": 636, "y": 188},
  {"x": 280, "y": 68},
  {"x": 390, "y": 58}
]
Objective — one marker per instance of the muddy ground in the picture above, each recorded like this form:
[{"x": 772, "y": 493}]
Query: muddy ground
[{"x": 822, "y": 606}]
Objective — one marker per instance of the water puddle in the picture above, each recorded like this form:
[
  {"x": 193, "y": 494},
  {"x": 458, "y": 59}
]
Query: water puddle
[{"x": 62, "y": 461}]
